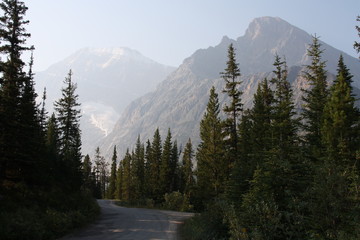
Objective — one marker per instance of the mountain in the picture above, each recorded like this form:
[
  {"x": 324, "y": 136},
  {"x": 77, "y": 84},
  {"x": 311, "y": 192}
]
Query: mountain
[
  {"x": 108, "y": 79},
  {"x": 179, "y": 101}
]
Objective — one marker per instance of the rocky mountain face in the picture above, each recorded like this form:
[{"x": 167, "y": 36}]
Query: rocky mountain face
[
  {"x": 180, "y": 100},
  {"x": 108, "y": 79}
]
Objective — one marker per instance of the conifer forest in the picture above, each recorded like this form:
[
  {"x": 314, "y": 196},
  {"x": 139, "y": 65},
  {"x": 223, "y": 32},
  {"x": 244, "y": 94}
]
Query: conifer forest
[{"x": 268, "y": 172}]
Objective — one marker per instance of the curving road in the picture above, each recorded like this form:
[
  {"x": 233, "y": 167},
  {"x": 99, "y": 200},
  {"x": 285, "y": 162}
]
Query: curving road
[{"x": 131, "y": 223}]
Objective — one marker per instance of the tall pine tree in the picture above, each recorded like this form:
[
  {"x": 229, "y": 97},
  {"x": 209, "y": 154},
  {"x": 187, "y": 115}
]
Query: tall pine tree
[
  {"x": 68, "y": 115},
  {"x": 16, "y": 162},
  {"x": 165, "y": 178},
  {"x": 154, "y": 167},
  {"x": 335, "y": 206},
  {"x": 112, "y": 180},
  {"x": 231, "y": 76},
  {"x": 212, "y": 168},
  {"x": 314, "y": 99},
  {"x": 187, "y": 169},
  {"x": 137, "y": 170}
]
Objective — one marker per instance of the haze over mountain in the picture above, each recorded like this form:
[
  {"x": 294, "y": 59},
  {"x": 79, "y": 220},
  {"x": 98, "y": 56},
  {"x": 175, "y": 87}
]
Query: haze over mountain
[
  {"x": 179, "y": 101},
  {"x": 108, "y": 79}
]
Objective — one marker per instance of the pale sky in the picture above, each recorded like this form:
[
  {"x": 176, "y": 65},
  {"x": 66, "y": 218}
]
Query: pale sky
[{"x": 168, "y": 31}]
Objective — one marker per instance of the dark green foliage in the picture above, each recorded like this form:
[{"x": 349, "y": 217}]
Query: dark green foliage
[
  {"x": 137, "y": 170},
  {"x": 262, "y": 116},
  {"x": 357, "y": 44},
  {"x": 335, "y": 204},
  {"x": 231, "y": 77},
  {"x": 341, "y": 121},
  {"x": 187, "y": 170},
  {"x": 89, "y": 176},
  {"x": 43, "y": 215},
  {"x": 119, "y": 181},
  {"x": 112, "y": 180},
  {"x": 176, "y": 201},
  {"x": 41, "y": 192},
  {"x": 68, "y": 117},
  {"x": 175, "y": 171},
  {"x": 165, "y": 177},
  {"x": 314, "y": 99},
  {"x": 101, "y": 174},
  {"x": 154, "y": 167},
  {"x": 285, "y": 126},
  {"x": 242, "y": 170},
  {"x": 17, "y": 100},
  {"x": 207, "y": 225},
  {"x": 212, "y": 168},
  {"x": 126, "y": 184},
  {"x": 147, "y": 169}
]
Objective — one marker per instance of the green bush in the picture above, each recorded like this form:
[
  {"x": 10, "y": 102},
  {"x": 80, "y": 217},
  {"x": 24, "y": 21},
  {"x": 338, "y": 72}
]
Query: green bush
[
  {"x": 207, "y": 225},
  {"x": 37, "y": 217},
  {"x": 177, "y": 201}
]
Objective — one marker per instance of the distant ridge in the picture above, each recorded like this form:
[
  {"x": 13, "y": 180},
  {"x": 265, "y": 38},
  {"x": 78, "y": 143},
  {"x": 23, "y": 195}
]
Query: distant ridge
[
  {"x": 180, "y": 100},
  {"x": 108, "y": 79}
]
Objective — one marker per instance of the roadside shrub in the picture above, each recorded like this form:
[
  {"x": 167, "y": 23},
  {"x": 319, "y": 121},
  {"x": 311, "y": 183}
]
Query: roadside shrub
[
  {"x": 177, "y": 202},
  {"x": 207, "y": 225},
  {"x": 36, "y": 216}
]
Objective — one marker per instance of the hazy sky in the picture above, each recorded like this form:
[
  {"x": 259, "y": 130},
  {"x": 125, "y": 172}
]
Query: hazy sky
[{"x": 168, "y": 31}]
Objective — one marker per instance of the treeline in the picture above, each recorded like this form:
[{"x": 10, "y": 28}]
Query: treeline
[
  {"x": 42, "y": 195},
  {"x": 270, "y": 172},
  {"x": 153, "y": 174}
]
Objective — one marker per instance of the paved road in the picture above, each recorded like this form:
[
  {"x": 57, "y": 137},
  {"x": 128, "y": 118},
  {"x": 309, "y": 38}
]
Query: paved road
[{"x": 131, "y": 223}]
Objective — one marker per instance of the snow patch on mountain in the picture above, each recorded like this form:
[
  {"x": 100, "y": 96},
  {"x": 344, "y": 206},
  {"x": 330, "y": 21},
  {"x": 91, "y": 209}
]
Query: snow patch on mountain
[{"x": 101, "y": 116}]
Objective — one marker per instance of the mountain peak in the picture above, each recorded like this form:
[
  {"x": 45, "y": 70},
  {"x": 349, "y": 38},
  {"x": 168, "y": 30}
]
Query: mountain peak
[
  {"x": 267, "y": 26},
  {"x": 114, "y": 51}
]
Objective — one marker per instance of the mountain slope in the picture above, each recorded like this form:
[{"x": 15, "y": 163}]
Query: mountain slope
[
  {"x": 179, "y": 101},
  {"x": 108, "y": 79}
]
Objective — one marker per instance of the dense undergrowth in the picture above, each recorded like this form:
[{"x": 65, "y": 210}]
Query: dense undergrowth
[
  {"x": 30, "y": 215},
  {"x": 174, "y": 201}
]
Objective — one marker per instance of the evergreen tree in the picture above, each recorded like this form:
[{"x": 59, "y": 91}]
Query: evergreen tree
[
  {"x": 154, "y": 167},
  {"x": 147, "y": 169},
  {"x": 127, "y": 178},
  {"x": 52, "y": 139},
  {"x": 43, "y": 113},
  {"x": 89, "y": 181},
  {"x": 165, "y": 178},
  {"x": 262, "y": 117},
  {"x": 341, "y": 123},
  {"x": 187, "y": 169},
  {"x": 175, "y": 177},
  {"x": 242, "y": 171},
  {"x": 52, "y": 151},
  {"x": 357, "y": 44},
  {"x": 274, "y": 206},
  {"x": 68, "y": 115},
  {"x": 231, "y": 77},
  {"x": 285, "y": 127},
  {"x": 13, "y": 37},
  {"x": 212, "y": 168},
  {"x": 112, "y": 181},
  {"x": 31, "y": 136},
  {"x": 138, "y": 170},
  {"x": 119, "y": 182},
  {"x": 314, "y": 99},
  {"x": 100, "y": 170},
  {"x": 335, "y": 205}
]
